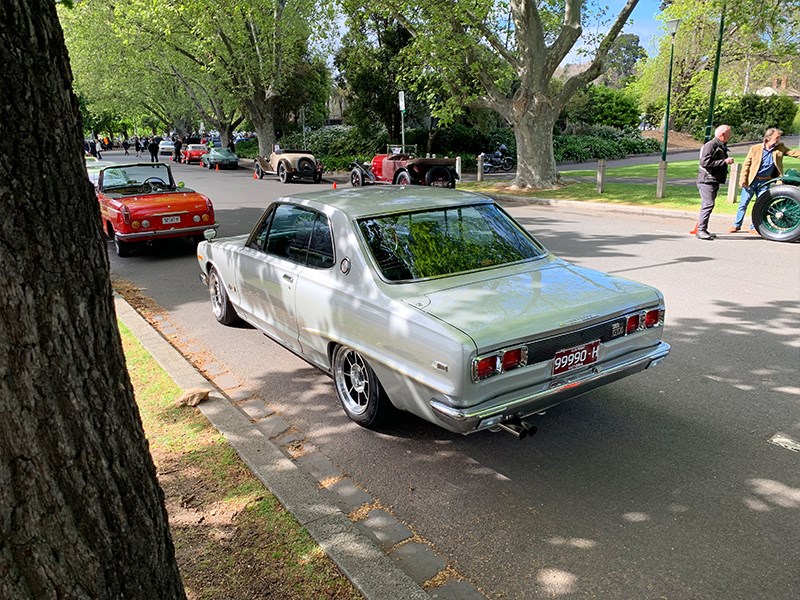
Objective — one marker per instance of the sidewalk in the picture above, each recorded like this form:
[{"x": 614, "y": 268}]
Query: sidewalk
[{"x": 382, "y": 557}]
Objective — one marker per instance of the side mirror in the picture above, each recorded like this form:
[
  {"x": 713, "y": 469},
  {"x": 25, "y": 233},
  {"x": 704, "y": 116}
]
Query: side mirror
[
  {"x": 210, "y": 234},
  {"x": 181, "y": 184}
]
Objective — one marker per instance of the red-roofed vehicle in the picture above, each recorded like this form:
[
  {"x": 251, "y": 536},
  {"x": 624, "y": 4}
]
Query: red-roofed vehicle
[
  {"x": 141, "y": 202},
  {"x": 401, "y": 166}
]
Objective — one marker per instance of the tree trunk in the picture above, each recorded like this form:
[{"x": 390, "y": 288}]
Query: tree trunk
[
  {"x": 262, "y": 116},
  {"x": 81, "y": 512},
  {"x": 536, "y": 166}
]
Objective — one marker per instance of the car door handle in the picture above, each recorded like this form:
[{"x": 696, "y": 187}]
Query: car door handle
[{"x": 288, "y": 277}]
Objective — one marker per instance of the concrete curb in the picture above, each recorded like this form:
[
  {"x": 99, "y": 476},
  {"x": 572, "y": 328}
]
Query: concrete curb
[{"x": 369, "y": 568}]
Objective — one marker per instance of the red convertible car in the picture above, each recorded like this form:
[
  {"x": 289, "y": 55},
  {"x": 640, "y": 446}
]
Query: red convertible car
[
  {"x": 142, "y": 202},
  {"x": 193, "y": 153}
]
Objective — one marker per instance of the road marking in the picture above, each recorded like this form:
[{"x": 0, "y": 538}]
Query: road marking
[{"x": 785, "y": 441}]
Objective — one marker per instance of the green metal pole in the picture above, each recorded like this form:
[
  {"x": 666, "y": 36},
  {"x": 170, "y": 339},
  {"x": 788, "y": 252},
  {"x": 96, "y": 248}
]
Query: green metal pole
[
  {"x": 710, "y": 119},
  {"x": 669, "y": 93}
]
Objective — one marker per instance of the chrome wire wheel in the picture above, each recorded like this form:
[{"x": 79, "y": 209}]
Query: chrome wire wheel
[{"x": 354, "y": 381}]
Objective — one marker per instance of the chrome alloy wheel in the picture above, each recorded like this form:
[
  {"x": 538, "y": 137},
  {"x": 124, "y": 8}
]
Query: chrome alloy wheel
[
  {"x": 353, "y": 381},
  {"x": 217, "y": 294}
]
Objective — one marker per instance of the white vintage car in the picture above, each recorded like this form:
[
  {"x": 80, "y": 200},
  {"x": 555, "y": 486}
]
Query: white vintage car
[{"x": 431, "y": 301}]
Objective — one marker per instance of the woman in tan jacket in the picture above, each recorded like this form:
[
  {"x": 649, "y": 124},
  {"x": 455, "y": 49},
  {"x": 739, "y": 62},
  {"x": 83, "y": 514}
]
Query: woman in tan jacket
[{"x": 764, "y": 162}]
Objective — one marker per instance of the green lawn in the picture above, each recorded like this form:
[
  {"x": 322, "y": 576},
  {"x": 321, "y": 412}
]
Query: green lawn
[
  {"x": 684, "y": 169},
  {"x": 679, "y": 197}
]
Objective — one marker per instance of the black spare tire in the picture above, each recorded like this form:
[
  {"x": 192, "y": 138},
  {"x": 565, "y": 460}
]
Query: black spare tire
[
  {"x": 305, "y": 166},
  {"x": 776, "y": 213}
]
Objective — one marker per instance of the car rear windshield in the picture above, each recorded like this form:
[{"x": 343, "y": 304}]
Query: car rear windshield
[{"x": 446, "y": 241}]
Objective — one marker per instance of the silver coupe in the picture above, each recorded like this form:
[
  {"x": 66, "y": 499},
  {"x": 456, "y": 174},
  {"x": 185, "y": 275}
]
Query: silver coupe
[{"x": 431, "y": 301}]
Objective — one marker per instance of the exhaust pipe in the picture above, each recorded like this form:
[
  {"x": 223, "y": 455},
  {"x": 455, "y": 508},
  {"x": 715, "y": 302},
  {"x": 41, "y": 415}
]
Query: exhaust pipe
[{"x": 519, "y": 429}]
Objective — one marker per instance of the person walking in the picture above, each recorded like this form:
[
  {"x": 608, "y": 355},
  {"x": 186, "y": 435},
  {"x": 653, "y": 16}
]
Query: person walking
[
  {"x": 178, "y": 146},
  {"x": 153, "y": 148},
  {"x": 137, "y": 145},
  {"x": 98, "y": 146},
  {"x": 125, "y": 145},
  {"x": 713, "y": 172},
  {"x": 764, "y": 161}
]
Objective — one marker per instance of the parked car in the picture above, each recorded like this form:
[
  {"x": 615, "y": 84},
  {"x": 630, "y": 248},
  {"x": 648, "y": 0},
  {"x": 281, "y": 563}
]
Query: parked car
[
  {"x": 431, "y": 301},
  {"x": 401, "y": 166},
  {"x": 289, "y": 165},
  {"x": 219, "y": 157},
  {"x": 93, "y": 166},
  {"x": 166, "y": 147},
  {"x": 193, "y": 153},
  {"x": 141, "y": 202}
]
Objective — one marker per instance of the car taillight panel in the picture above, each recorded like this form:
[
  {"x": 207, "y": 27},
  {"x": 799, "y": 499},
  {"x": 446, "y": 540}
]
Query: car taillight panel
[
  {"x": 498, "y": 362},
  {"x": 126, "y": 214},
  {"x": 646, "y": 319}
]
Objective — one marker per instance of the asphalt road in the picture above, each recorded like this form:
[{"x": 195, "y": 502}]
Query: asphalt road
[{"x": 663, "y": 485}]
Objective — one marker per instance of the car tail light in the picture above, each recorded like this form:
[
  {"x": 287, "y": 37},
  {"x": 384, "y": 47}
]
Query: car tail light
[
  {"x": 206, "y": 218},
  {"x": 516, "y": 357},
  {"x": 145, "y": 223},
  {"x": 136, "y": 224},
  {"x": 632, "y": 324},
  {"x": 498, "y": 362},
  {"x": 210, "y": 207},
  {"x": 484, "y": 367},
  {"x": 653, "y": 318},
  {"x": 126, "y": 214},
  {"x": 196, "y": 218}
]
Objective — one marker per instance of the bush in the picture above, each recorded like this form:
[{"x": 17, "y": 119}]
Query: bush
[
  {"x": 601, "y": 105},
  {"x": 247, "y": 148}
]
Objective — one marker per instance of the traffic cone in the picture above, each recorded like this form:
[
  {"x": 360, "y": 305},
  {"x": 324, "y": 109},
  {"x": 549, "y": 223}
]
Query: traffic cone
[
  {"x": 217, "y": 167},
  {"x": 694, "y": 229},
  {"x": 254, "y": 175},
  {"x": 334, "y": 185}
]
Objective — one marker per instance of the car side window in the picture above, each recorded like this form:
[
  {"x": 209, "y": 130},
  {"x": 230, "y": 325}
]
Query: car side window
[
  {"x": 260, "y": 236},
  {"x": 320, "y": 250},
  {"x": 290, "y": 233}
]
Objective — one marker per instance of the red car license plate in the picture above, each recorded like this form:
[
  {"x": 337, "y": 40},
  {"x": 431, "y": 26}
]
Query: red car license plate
[
  {"x": 574, "y": 358},
  {"x": 170, "y": 220}
]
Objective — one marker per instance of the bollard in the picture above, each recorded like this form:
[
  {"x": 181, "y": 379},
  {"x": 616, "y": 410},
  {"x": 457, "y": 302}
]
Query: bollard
[
  {"x": 733, "y": 177},
  {"x": 480, "y": 167},
  {"x": 661, "y": 182},
  {"x": 601, "y": 175},
  {"x": 458, "y": 167}
]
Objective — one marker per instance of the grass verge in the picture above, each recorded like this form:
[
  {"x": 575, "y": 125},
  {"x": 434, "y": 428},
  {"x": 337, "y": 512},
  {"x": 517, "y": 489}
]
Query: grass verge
[
  {"x": 233, "y": 540},
  {"x": 678, "y": 197}
]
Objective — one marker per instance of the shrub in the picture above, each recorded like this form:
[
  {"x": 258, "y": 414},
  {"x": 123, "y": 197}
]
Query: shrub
[
  {"x": 601, "y": 105},
  {"x": 247, "y": 148}
]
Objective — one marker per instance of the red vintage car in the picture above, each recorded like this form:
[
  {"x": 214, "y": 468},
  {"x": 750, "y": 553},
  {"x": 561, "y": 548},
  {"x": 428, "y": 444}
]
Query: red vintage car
[
  {"x": 141, "y": 202},
  {"x": 192, "y": 153},
  {"x": 401, "y": 166}
]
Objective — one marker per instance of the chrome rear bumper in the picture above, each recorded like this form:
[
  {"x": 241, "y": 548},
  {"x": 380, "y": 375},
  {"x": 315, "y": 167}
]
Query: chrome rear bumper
[
  {"x": 164, "y": 233},
  {"x": 489, "y": 413}
]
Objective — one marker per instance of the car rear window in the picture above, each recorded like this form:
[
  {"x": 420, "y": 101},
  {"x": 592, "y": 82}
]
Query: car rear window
[{"x": 440, "y": 242}]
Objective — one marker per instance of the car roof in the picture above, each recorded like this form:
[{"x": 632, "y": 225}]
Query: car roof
[{"x": 367, "y": 201}]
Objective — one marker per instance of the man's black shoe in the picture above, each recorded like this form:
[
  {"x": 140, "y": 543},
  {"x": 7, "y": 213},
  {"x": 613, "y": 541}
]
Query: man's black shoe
[{"x": 704, "y": 235}]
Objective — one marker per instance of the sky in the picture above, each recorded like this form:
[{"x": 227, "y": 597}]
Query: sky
[{"x": 644, "y": 23}]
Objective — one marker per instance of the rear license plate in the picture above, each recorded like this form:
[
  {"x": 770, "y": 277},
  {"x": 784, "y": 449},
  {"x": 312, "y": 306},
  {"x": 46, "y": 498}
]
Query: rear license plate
[
  {"x": 574, "y": 358},
  {"x": 170, "y": 220}
]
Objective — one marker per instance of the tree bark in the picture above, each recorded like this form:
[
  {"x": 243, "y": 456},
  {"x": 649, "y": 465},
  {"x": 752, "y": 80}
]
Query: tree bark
[
  {"x": 536, "y": 166},
  {"x": 81, "y": 512}
]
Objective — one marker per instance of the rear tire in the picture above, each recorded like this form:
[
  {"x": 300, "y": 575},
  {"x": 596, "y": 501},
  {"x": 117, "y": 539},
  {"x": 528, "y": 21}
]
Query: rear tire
[
  {"x": 776, "y": 213},
  {"x": 123, "y": 249},
  {"x": 438, "y": 177},
  {"x": 360, "y": 393},
  {"x": 283, "y": 173},
  {"x": 220, "y": 302}
]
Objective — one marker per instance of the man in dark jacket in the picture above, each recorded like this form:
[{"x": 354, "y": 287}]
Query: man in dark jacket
[
  {"x": 153, "y": 148},
  {"x": 713, "y": 172}
]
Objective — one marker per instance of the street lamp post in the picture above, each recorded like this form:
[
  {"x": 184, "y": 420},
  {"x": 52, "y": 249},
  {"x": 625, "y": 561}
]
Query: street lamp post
[
  {"x": 661, "y": 182},
  {"x": 710, "y": 119}
]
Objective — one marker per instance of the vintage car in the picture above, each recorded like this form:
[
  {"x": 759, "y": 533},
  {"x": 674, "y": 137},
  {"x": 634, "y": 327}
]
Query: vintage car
[
  {"x": 166, "y": 148},
  {"x": 431, "y": 301},
  {"x": 141, "y": 202},
  {"x": 401, "y": 166},
  {"x": 219, "y": 157},
  {"x": 193, "y": 153},
  {"x": 93, "y": 167},
  {"x": 289, "y": 165}
]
